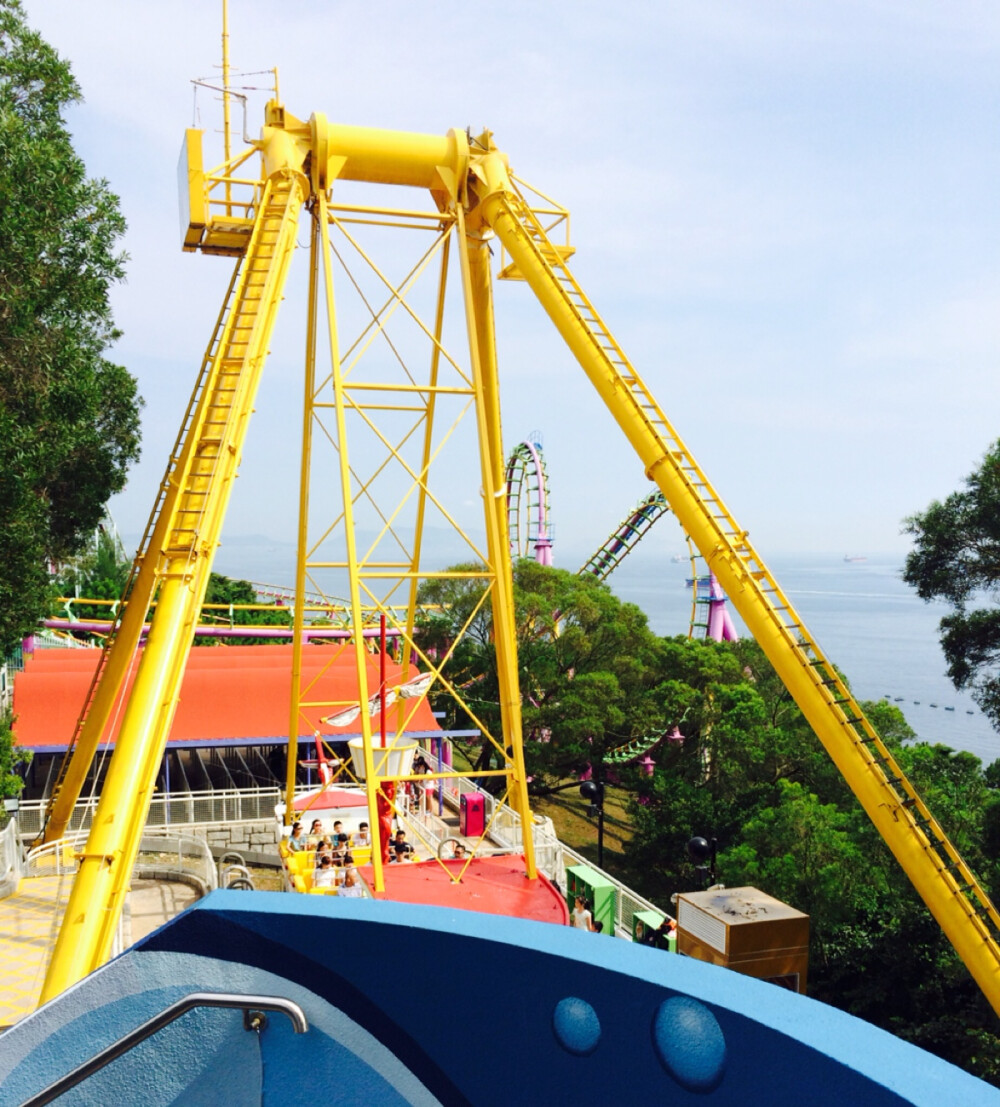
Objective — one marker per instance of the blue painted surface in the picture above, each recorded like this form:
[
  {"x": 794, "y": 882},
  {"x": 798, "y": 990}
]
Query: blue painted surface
[
  {"x": 689, "y": 1043},
  {"x": 529, "y": 1013},
  {"x": 576, "y": 1026}
]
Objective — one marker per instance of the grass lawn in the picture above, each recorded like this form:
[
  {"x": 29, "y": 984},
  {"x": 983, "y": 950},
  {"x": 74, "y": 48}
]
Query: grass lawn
[{"x": 568, "y": 812}]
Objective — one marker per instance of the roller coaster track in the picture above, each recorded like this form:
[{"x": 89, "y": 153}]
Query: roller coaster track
[
  {"x": 531, "y": 535},
  {"x": 628, "y": 534},
  {"x": 939, "y": 874},
  {"x": 528, "y": 495}
]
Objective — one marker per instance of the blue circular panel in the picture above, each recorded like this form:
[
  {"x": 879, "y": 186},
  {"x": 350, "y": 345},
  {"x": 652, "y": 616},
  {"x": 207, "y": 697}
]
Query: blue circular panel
[
  {"x": 689, "y": 1043},
  {"x": 576, "y": 1026}
]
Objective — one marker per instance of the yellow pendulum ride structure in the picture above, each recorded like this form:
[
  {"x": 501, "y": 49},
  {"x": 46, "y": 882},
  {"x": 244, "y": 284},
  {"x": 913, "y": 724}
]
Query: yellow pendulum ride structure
[{"x": 386, "y": 406}]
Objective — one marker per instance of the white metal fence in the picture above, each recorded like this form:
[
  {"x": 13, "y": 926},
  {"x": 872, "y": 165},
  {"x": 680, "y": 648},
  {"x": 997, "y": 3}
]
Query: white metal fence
[
  {"x": 171, "y": 854},
  {"x": 10, "y": 858},
  {"x": 175, "y": 810},
  {"x": 171, "y": 809},
  {"x": 166, "y": 855}
]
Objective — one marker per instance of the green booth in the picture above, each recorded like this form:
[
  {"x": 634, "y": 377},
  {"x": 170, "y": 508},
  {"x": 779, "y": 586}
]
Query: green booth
[{"x": 598, "y": 893}]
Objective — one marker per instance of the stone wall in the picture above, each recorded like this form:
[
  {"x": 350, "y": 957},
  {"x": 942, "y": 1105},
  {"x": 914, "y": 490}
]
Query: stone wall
[{"x": 256, "y": 840}]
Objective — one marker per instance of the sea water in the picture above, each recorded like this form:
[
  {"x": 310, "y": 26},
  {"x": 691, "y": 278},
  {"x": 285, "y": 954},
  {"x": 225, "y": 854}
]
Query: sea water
[{"x": 873, "y": 627}]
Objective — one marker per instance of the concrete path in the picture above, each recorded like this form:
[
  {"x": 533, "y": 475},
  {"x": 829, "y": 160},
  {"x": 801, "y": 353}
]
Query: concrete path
[{"x": 29, "y": 923}]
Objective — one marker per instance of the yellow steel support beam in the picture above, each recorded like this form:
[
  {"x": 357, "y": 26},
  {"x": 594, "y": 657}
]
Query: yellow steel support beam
[
  {"x": 475, "y": 257},
  {"x": 119, "y": 651},
  {"x": 190, "y": 536},
  {"x": 357, "y": 613},
  {"x": 308, "y": 399},
  {"x": 426, "y": 454},
  {"x": 938, "y": 873}
]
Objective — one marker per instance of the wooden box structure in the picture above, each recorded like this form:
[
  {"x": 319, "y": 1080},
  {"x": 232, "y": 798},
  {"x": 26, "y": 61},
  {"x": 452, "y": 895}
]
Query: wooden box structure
[{"x": 746, "y": 930}]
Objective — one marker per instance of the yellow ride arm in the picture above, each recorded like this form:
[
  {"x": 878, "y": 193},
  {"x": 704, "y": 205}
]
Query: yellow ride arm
[{"x": 938, "y": 873}]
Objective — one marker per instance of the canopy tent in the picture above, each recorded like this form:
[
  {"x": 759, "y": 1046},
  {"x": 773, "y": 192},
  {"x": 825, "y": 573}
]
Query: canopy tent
[{"x": 230, "y": 694}]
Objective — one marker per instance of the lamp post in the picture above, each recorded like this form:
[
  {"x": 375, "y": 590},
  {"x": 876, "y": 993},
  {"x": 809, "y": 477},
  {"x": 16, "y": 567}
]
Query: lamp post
[
  {"x": 593, "y": 790},
  {"x": 702, "y": 852}
]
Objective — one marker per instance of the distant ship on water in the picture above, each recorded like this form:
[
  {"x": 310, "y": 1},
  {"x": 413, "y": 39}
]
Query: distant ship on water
[{"x": 854, "y": 557}]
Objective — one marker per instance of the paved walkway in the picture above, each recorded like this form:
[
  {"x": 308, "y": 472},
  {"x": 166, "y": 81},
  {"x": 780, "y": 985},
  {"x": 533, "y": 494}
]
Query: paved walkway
[{"x": 29, "y": 923}]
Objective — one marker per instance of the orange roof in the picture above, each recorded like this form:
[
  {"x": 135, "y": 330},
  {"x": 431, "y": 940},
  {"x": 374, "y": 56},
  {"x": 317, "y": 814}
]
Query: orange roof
[{"x": 228, "y": 693}]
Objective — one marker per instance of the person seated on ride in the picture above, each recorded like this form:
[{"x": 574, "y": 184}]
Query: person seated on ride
[
  {"x": 338, "y": 834},
  {"x": 297, "y": 840},
  {"x": 316, "y": 830},
  {"x": 324, "y": 848},
  {"x": 343, "y": 866},
  {"x": 361, "y": 836},
  {"x": 326, "y": 876},
  {"x": 401, "y": 848},
  {"x": 352, "y": 886}
]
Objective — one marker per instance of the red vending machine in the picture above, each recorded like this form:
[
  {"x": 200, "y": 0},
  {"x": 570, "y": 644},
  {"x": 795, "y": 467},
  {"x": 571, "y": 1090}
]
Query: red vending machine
[{"x": 472, "y": 814}]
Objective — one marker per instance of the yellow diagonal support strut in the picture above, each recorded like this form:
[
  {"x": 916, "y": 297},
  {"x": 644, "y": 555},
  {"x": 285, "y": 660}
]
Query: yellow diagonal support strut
[
  {"x": 113, "y": 667},
  {"x": 938, "y": 873},
  {"x": 474, "y": 255},
  {"x": 203, "y": 478}
]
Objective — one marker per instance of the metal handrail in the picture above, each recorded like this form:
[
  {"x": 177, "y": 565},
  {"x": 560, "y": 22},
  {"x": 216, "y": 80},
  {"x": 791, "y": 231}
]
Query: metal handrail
[{"x": 252, "y": 1006}]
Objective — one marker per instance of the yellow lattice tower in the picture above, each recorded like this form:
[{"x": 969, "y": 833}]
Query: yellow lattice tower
[{"x": 402, "y": 406}]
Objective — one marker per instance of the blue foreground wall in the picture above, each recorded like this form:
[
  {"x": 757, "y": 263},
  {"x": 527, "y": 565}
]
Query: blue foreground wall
[{"x": 422, "y": 1005}]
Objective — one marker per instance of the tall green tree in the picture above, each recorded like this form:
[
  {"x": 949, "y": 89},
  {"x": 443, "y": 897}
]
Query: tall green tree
[
  {"x": 69, "y": 418},
  {"x": 584, "y": 661},
  {"x": 956, "y": 558}
]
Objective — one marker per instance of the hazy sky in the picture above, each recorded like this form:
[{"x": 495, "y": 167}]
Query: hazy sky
[{"x": 787, "y": 213}]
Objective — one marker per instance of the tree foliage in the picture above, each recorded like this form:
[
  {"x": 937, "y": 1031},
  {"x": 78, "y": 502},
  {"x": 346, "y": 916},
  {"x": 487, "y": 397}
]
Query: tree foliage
[
  {"x": 13, "y": 760},
  {"x": 99, "y": 572},
  {"x": 69, "y": 418},
  {"x": 584, "y": 667},
  {"x": 225, "y": 590},
  {"x": 751, "y": 773},
  {"x": 957, "y": 559}
]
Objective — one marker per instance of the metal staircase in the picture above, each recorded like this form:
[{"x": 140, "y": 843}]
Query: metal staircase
[{"x": 932, "y": 863}]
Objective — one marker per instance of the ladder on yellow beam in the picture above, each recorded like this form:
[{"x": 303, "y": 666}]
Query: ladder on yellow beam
[
  {"x": 940, "y": 876},
  {"x": 183, "y": 539},
  {"x": 115, "y": 641}
]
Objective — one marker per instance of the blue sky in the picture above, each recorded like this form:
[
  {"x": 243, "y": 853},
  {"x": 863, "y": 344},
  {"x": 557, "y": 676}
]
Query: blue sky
[{"x": 788, "y": 214}]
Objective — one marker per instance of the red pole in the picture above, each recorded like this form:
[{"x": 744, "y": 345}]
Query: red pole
[
  {"x": 381, "y": 687},
  {"x": 387, "y": 789}
]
